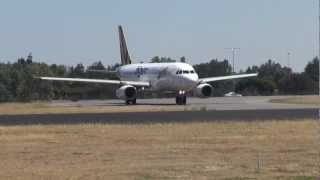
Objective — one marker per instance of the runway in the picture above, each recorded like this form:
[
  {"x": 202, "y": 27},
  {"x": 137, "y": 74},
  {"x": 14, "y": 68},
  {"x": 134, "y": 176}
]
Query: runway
[
  {"x": 165, "y": 111},
  {"x": 161, "y": 117},
  {"x": 214, "y": 103}
]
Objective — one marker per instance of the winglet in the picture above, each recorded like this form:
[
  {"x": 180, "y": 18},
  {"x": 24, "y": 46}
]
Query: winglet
[{"x": 125, "y": 57}]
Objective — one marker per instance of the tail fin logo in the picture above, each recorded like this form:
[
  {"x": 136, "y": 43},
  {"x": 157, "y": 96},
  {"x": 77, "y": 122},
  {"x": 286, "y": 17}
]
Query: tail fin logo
[{"x": 125, "y": 57}]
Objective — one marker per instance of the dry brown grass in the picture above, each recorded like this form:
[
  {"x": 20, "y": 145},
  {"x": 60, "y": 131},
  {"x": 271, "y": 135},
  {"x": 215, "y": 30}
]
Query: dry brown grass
[
  {"x": 45, "y": 108},
  {"x": 308, "y": 100},
  {"x": 220, "y": 150}
]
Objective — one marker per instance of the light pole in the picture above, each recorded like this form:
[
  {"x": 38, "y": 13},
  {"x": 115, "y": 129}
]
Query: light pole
[
  {"x": 233, "y": 72},
  {"x": 233, "y": 56},
  {"x": 288, "y": 63}
]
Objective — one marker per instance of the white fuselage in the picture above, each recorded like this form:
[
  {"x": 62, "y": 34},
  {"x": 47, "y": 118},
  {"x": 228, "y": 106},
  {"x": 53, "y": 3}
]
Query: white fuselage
[{"x": 161, "y": 76}]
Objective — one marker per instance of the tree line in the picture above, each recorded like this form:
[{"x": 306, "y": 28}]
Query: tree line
[
  {"x": 19, "y": 82},
  {"x": 273, "y": 78}
]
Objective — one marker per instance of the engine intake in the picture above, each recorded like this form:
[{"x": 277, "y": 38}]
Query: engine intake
[
  {"x": 126, "y": 92},
  {"x": 203, "y": 90}
]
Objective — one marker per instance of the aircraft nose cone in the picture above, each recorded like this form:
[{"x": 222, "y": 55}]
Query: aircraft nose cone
[
  {"x": 190, "y": 81},
  {"x": 192, "y": 78}
]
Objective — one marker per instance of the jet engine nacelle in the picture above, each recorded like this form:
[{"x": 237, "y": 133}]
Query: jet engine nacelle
[
  {"x": 126, "y": 92},
  {"x": 203, "y": 90}
]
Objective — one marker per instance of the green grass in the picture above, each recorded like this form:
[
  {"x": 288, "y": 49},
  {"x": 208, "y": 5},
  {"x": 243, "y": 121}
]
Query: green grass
[{"x": 217, "y": 150}]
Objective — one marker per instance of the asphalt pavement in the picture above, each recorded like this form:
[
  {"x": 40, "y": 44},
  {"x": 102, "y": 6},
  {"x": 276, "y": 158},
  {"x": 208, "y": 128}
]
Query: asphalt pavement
[{"x": 197, "y": 110}]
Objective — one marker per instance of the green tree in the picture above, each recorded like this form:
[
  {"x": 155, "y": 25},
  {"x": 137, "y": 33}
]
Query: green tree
[
  {"x": 156, "y": 59},
  {"x": 29, "y": 59},
  {"x": 78, "y": 71},
  {"x": 213, "y": 68},
  {"x": 5, "y": 94},
  {"x": 97, "y": 66},
  {"x": 183, "y": 59},
  {"x": 297, "y": 83},
  {"x": 216, "y": 68},
  {"x": 255, "y": 86},
  {"x": 312, "y": 69}
]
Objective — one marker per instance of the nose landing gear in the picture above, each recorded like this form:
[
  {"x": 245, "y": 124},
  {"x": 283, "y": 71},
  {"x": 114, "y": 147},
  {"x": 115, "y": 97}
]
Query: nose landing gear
[{"x": 181, "y": 98}]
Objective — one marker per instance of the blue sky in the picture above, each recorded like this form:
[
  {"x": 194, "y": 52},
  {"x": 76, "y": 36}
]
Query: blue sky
[{"x": 70, "y": 32}]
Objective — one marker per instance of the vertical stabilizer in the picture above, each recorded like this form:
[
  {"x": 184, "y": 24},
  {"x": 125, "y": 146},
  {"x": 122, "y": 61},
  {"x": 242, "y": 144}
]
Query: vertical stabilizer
[{"x": 125, "y": 57}]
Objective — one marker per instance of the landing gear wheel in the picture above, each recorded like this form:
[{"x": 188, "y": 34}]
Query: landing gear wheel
[
  {"x": 131, "y": 102},
  {"x": 181, "y": 100},
  {"x": 178, "y": 100},
  {"x": 184, "y": 100},
  {"x": 127, "y": 102},
  {"x": 134, "y": 101}
]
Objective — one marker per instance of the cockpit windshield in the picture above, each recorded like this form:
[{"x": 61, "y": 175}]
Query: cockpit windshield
[{"x": 185, "y": 72}]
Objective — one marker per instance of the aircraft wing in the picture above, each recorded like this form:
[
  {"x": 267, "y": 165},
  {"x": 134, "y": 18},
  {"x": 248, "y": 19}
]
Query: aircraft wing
[
  {"x": 103, "y": 81},
  {"x": 211, "y": 79}
]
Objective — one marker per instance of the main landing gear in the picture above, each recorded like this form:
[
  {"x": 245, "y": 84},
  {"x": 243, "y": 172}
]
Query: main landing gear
[
  {"x": 131, "y": 102},
  {"x": 181, "y": 98}
]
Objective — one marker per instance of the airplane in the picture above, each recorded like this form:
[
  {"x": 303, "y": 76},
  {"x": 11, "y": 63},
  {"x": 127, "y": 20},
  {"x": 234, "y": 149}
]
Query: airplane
[{"x": 175, "y": 77}]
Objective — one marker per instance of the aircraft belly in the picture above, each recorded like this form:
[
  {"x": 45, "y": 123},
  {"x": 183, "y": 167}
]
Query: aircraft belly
[
  {"x": 164, "y": 84},
  {"x": 180, "y": 83}
]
